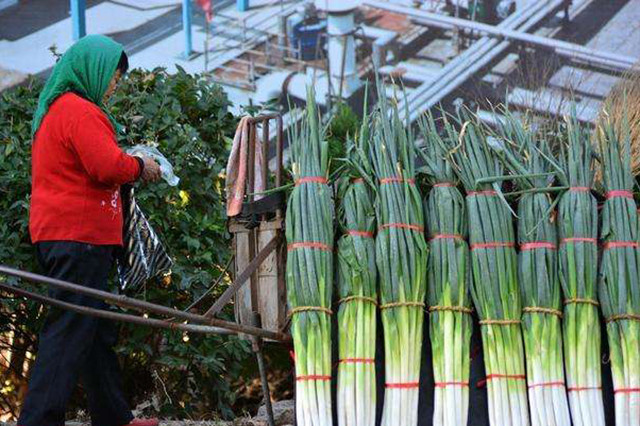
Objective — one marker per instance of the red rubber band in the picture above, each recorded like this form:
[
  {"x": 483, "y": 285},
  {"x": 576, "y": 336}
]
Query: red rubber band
[
  {"x": 357, "y": 180},
  {"x": 309, "y": 244},
  {"x": 403, "y": 226},
  {"x": 537, "y": 245},
  {"x": 619, "y": 193},
  {"x": 626, "y": 390},
  {"x": 580, "y": 189},
  {"x": 506, "y": 376},
  {"x": 397, "y": 179},
  {"x": 357, "y": 361},
  {"x": 364, "y": 234},
  {"x": 546, "y": 385},
  {"x": 446, "y": 237},
  {"x": 487, "y": 192},
  {"x": 314, "y": 179},
  {"x": 445, "y": 384},
  {"x": 619, "y": 244},
  {"x": 584, "y": 388},
  {"x": 491, "y": 245},
  {"x": 444, "y": 185},
  {"x": 410, "y": 385},
  {"x": 579, "y": 240},
  {"x": 313, "y": 377}
]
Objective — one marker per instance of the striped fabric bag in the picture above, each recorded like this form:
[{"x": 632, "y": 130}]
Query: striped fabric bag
[{"x": 143, "y": 256}]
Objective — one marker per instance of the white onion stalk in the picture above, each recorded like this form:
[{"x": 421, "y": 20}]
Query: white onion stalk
[
  {"x": 530, "y": 161},
  {"x": 448, "y": 294},
  {"x": 578, "y": 265},
  {"x": 495, "y": 290},
  {"x": 401, "y": 257},
  {"x": 309, "y": 232},
  {"x": 620, "y": 270},
  {"x": 356, "y": 393}
]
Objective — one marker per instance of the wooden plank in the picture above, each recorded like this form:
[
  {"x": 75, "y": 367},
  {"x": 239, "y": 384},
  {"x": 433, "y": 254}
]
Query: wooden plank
[
  {"x": 270, "y": 295},
  {"x": 247, "y": 274},
  {"x": 243, "y": 306}
]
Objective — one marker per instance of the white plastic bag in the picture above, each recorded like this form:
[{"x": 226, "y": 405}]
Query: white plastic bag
[{"x": 165, "y": 166}]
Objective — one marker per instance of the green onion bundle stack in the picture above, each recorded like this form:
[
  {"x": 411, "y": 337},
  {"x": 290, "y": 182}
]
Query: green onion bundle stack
[
  {"x": 529, "y": 160},
  {"x": 620, "y": 274},
  {"x": 401, "y": 257},
  {"x": 357, "y": 283},
  {"x": 495, "y": 290},
  {"x": 309, "y": 232},
  {"x": 449, "y": 298},
  {"x": 578, "y": 263}
]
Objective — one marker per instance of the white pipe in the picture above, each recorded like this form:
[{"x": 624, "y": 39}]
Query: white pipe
[
  {"x": 436, "y": 95},
  {"x": 342, "y": 52},
  {"x": 560, "y": 46},
  {"x": 476, "y": 52},
  {"x": 470, "y": 61}
]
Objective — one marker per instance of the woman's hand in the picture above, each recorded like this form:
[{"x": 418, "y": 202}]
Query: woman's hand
[{"x": 151, "y": 170}]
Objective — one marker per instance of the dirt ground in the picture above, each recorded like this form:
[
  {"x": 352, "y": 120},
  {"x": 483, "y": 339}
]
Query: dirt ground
[{"x": 283, "y": 413}]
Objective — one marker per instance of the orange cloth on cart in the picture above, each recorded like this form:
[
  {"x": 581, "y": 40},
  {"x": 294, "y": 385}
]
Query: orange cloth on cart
[{"x": 237, "y": 167}]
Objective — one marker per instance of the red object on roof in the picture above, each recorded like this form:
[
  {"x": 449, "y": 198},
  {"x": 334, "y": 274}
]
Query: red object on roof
[{"x": 206, "y": 6}]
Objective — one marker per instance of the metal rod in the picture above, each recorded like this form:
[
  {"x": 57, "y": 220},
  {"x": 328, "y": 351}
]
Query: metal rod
[
  {"x": 143, "y": 306},
  {"x": 117, "y": 316},
  {"x": 257, "y": 348},
  {"x": 265, "y": 157},
  {"x": 243, "y": 277},
  {"x": 256, "y": 345}
]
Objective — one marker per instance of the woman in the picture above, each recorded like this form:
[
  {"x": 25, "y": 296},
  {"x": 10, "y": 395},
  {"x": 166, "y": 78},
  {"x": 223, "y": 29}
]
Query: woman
[{"x": 76, "y": 225}]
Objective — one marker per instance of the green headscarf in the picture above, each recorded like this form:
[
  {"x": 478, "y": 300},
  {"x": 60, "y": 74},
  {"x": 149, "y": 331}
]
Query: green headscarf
[{"x": 85, "y": 69}]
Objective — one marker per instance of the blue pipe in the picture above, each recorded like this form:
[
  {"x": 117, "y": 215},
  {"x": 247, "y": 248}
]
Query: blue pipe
[
  {"x": 186, "y": 26},
  {"x": 78, "y": 21},
  {"x": 242, "y": 5}
]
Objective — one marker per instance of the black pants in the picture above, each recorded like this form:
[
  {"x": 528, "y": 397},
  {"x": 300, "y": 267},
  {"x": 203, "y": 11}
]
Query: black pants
[{"x": 75, "y": 346}]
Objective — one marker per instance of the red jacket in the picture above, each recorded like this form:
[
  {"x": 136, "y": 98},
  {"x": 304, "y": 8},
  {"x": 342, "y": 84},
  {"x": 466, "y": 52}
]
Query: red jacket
[{"x": 77, "y": 169}]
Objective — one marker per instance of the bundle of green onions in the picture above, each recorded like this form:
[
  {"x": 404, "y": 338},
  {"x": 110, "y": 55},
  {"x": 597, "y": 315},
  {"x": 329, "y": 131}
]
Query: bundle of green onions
[
  {"x": 448, "y": 294},
  {"x": 401, "y": 257},
  {"x": 529, "y": 159},
  {"x": 310, "y": 233},
  {"x": 357, "y": 284},
  {"x": 619, "y": 272},
  {"x": 578, "y": 265},
  {"x": 495, "y": 290}
]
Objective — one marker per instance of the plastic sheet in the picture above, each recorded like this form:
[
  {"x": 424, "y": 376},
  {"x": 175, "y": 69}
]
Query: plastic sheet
[{"x": 165, "y": 166}]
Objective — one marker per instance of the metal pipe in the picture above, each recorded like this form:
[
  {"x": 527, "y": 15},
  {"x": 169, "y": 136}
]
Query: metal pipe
[
  {"x": 143, "y": 306},
  {"x": 480, "y": 47},
  {"x": 78, "y": 19},
  {"x": 560, "y": 46},
  {"x": 186, "y": 27},
  {"x": 256, "y": 345},
  {"x": 116, "y": 316},
  {"x": 449, "y": 78},
  {"x": 472, "y": 66}
]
